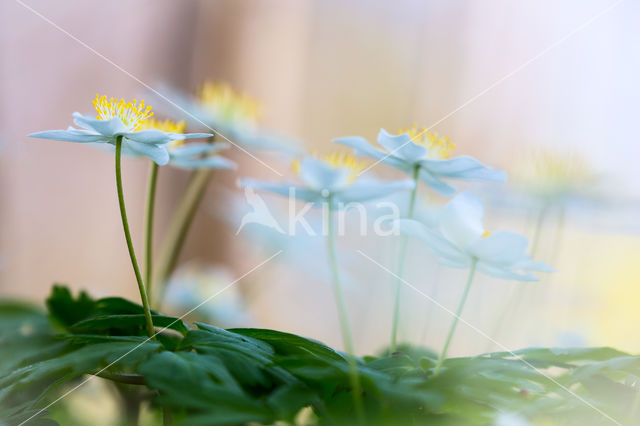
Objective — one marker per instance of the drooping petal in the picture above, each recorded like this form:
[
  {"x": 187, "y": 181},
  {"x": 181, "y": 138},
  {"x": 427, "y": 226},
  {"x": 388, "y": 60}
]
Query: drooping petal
[
  {"x": 318, "y": 175},
  {"x": 108, "y": 128},
  {"x": 436, "y": 184},
  {"x": 284, "y": 189},
  {"x": 505, "y": 273},
  {"x": 362, "y": 147},
  {"x": 402, "y": 146},
  {"x": 501, "y": 247},
  {"x": 212, "y": 162},
  {"x": 368, "y": 189},
  {"x": 461, "y": 220},
  {"x": 70, "y": 135},
  {"x": 433, "y": 240},
  {"x": 463, "y": 167},
  {"x": 157, "y": 153}
]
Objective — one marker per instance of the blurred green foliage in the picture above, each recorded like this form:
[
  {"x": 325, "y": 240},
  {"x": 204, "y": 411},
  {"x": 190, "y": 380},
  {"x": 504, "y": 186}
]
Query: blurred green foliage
[{"x": 207, "y": 375}]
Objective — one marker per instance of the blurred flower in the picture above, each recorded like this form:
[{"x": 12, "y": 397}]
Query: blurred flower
[
  {"x": 191, "y": 285},
  {"x": 553, "y": 176},
  {"x": 430, "y": 153},
  {"x": 335, "y": 177},
  {"x": 120, "y": 118},
  {"x": 195, "y": 155},
  {"x": 234, "y": 115},
  {"x": 460, "y": 238}
]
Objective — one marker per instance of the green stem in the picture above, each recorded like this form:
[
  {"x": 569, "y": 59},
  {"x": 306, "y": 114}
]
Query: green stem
[
  {"x": 463, "y": 299},
  {"x": 344, "y": 320},
  {"x": 403, "y": 254},
  {"x": 127, "y": 236},
  {"x": 178, "y": 229},
  {"x": 148, "y": 237},
  {"x": 515, "y": 300},
  {"x": 167, "y": 416}
]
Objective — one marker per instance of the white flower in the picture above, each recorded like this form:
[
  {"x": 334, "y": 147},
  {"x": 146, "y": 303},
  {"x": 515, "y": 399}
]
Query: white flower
[
  {"x": 334, "y": 177},
  {"x": 460, "y": 239},
  {"x": 429, "y": 153},
  {"x": 117, "y": 118}
]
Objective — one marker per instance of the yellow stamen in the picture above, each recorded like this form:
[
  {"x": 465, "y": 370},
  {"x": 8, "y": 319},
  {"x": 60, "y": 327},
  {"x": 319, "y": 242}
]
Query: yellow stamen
[
  {"x": 168, "y": 126},
  {"x": 230, "y": 105},
  {"x": 486, "y": 233},
  {"x": 132, "y": 114},
  {"x": 439, "y": 147},
  {"x": 337, "y": 160}
]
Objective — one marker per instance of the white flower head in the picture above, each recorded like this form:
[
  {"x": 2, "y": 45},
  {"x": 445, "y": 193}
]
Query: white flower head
[
  {"x": 459, "y": 239},
  {"x": 429, "y": 153},
  {"x": 334, "y": 177},
  {"x": 117, "y": 118}
]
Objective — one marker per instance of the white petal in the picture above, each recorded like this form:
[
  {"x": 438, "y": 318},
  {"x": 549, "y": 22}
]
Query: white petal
[
  {"x": 461, "y": 220},
  {"x": 283, "y": 189},
  {"x": 463, "y": 167},
  {"x": 436, "y": 184},
  {"x": 181, "y": 136},
  {"x": 70, "y": 135},
  {"x": 362, "y": 147},
  {"x": 104, "y": 127},
  {"x": 402, "y": 146},
  {"x": 318, "y": 175},
  {"x": 150, "y": 136},
  {"x": 212, "y": 162},
  {"x": 505, "y": 273},
  {"x": 190, "y": 150},
  {"x": 502, "y": 247},
  {"x": 368, "y": 189},
  {"x": 157, "y": 153},
  {"x": 436, "y": 242}
]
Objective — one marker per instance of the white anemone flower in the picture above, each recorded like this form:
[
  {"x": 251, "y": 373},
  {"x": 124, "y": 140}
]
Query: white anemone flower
[
  {"x": 460, "y": 240},
  {"x": 115, "y": 119},
  {"x": 427, "y": 154},
  {"x": 333, "y": 178},
  {"x": 233, "y": 114}
]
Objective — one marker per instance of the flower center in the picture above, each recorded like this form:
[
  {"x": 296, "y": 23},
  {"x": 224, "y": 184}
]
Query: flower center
[
  {"x": 167, "y": 126},
  {"x": 486, "y": 233},
  {"x": 132, "y": 114},
  {"x": 227, "y": 104},
  {"x": 439, "y": 147},
  {"x": 337, "y": 160}
]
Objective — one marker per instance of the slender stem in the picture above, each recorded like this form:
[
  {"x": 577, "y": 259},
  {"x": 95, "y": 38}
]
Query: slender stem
[
  {"x": 127, "y": 236},
  {"x": 515, "y": 300},
  {"x": 344, "y": 320},
  {"x": 403, "y": 254},
  {"x": 148, "y": 229},
  {"x": 463, "y": 299},
  {"x": 178, "y": 229},
  {"x": 167, "y": 416}
]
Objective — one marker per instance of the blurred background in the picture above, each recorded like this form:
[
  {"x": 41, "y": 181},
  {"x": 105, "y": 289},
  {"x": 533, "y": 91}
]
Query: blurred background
[{"x": 545, "y": 90}]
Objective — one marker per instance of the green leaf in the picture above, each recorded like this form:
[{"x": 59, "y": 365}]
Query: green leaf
[
  {"x": 126, "y": 324},
  {"x": 66, "y": 310},
  {"x": 290, "y": 344},
  {"x": 201, "y": 385}
]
